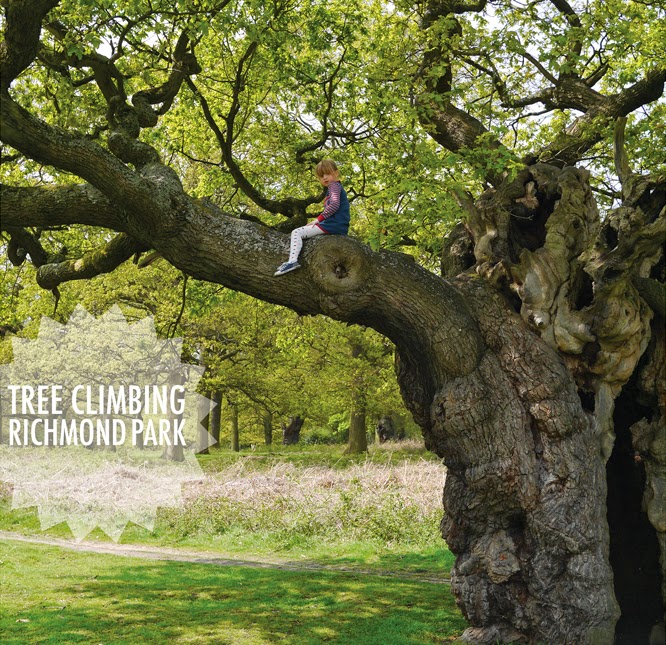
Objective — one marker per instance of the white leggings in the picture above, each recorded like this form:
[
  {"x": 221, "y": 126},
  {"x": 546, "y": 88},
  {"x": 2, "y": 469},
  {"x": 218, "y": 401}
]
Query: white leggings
[{"x": 297, "y": 237}]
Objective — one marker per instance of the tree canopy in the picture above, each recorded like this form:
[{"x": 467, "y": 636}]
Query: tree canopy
[{"x": 513, "y": 148}]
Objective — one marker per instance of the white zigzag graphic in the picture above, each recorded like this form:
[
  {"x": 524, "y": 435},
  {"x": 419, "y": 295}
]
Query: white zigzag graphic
[{"x": 100, "y": 423}]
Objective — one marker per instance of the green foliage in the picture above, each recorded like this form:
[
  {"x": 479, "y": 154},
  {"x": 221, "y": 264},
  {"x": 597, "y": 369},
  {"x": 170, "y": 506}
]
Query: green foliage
[
  {"x": 318, "y": 79},
  {"x": 263, "y": 358}
]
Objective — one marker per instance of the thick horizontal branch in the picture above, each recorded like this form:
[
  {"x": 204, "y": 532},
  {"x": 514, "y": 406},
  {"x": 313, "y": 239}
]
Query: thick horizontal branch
[
  {"x": 152, "y": 199},
  {"x": 425, "y": 316},
  {"x": 79, "y": 156},
  {"x": 47, "y": 206},
  {"x": 641, "y": 93}
]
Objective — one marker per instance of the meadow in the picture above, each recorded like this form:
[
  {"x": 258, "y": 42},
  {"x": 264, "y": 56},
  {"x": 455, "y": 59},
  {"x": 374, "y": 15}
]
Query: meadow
[{"x": 349, "y": 548}]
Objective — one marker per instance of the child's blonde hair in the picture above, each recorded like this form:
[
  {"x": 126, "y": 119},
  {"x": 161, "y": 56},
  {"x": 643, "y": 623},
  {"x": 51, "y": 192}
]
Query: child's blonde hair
[{"x": 326, "y": 167}]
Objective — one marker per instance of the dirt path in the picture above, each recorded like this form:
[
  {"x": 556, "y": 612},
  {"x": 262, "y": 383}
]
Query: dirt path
[{"x": 203, "y": 557}]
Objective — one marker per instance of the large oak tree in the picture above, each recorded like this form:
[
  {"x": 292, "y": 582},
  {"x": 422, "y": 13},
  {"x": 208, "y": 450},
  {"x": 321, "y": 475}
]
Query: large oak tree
[{"x": 534, "y": 365}]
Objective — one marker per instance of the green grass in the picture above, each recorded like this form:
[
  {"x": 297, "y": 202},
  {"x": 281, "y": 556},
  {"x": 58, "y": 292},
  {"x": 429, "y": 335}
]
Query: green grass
[
  {"x": 428, "y": 560},
  {"x": 50, "y": 595},
  {"x": 306, "y": 505}
]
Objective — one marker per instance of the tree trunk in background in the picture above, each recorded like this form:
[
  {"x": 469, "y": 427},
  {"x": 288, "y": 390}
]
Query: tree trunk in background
[
  {"x": 389, "y": 428},
  {"x": 358, "y": 440},
  {"x": 385, "y": 430},
  {"x": 268, "y": 428},
  {"x": 174, "y": 451},
  {"x": 204, "y": 423},
  {"x": 291, "y": 433},
  {"x": 215, "y": 415},
  {"x": 235, "y": 442}
]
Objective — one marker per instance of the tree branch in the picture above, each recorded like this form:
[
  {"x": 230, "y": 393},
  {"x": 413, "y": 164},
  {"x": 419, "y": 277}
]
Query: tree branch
[
  {"x": 587, "y": 130},
  {"x": 21, "y": 38},
  {"x": 574, "y": 39},
  {"x": 56, "y": 206},
  {"x": 120, "y": 249},
  {"x": 341, "y": 278},
  {"x": 327, "y": 132},
  {"x": 151, "y": 194},
  {"x": 290, "y": 207},
  {"x": 22, "y": 243},
  {"x": 447, "y": 124},
  {"x": 619, "y": 151},
  {"x": 456, "y": 130},
  {"x": 185, "y": 63}
]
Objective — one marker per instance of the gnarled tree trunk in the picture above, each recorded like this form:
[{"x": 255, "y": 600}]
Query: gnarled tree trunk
[{"x": 527, "y": 435}]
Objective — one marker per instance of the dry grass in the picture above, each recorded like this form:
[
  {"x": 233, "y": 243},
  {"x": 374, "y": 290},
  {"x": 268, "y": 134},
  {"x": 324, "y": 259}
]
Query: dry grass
[
  {"x": 383, "y": 503},
  {"x": 402, "y": 446},
  {"x": 418, "y": 483},
  {"x": 391, "y": 500}
]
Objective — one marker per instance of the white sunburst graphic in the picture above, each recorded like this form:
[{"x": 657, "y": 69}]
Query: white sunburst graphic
[{"x": 100, "y": 423}]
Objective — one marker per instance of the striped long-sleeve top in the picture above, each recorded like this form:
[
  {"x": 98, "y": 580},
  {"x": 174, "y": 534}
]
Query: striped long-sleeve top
[{"x": 335, "y": 216}]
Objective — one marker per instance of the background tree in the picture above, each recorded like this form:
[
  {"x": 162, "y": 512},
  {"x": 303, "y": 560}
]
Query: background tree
[
  {"x": 358, "y": 440},
  {"x": 527, "y": 371}
]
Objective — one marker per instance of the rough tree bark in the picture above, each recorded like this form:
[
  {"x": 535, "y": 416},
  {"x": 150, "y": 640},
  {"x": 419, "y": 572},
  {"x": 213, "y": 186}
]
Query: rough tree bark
[
  {"x": 582, "y": 286},
  {"x": 526, "y": 372}
]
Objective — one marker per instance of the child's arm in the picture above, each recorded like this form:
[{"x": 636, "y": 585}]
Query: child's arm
[{"x": 332, "y": 202}]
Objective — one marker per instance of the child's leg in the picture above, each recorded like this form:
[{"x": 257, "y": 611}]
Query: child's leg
[{"x": 297, "y": 237}]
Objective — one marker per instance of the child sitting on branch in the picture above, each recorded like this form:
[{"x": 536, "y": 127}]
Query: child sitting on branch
[{"x": 333, "y": 220}]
